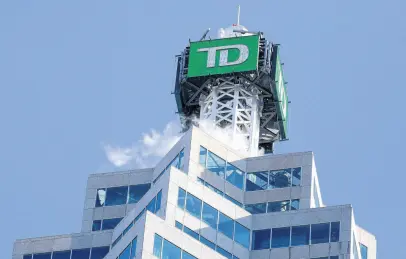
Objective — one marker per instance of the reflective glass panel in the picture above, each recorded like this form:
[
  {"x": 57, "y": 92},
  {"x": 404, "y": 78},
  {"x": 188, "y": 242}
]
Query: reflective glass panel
[
  {"x": 110, "y": 223},
  {"x": 151, "y": 205},
  {"x": 239, "y": 204},
  {"x": 242, "y": 235},
  {"x": 137, "y": 192},
  {"x": 157, "y": 246},
  {"x": 261, "y": 239},
  {"x": 116, "y": 196},
  {"x": 364, "y": 251},
  {"x": 30, "y": 256},
  {"x": 178, "y": 225},
  {"x": 98, "y": 252},
  {"x": 257, "y": 181},
  {"x": 191, "y": 232},
  {"x": 158, "y": 201},
  {"x": 320, "y": 233},
  {"x": 226, "y": 225},
  {"x": 174, "y": 162},
  {"x": 280, "y": 237},
  {"x": 81, "y": 253},
  {"x": 133, "y": 248},
  {"x": 296, "y": 176},
  {"x": 211, "y": 187},
  {"x": 181, "y": 159},
  {"x": 100, "y": 197},
  {"x": 256, "y": 208},
  {"x": 44, "y": 256},
  {"x": 235, "y": 176},
  {"x": 335, "y": 232},
  {"x": 193, "y": 205},
  {"x": 336, "y": 257},
  {"x": 181, "y": 198},
  {"x": 202, "y": 156},
  {"x": 126, "y": 253},
  {"x": 128, "y": 228},
  {"x": 139, "y": 215},
  {"x": 61, "y": 255},
  {"x": 294, "y": 205},
  {"x": 210, "y": 215},
  {"x": 207, "y": 242},
  {"x": 300, "y": 235},
  {"x": 278, "y": 206},
  {"x": 96, "y": 225},
  {"x": 215, "y": 164},
  {"x": 116, "y": 241},
  {"x": 186, "y": 255},
  {"x": 224, "y": 252},
  {"x": 279, "y": 179},
  {"x": 170, "y": 251}
]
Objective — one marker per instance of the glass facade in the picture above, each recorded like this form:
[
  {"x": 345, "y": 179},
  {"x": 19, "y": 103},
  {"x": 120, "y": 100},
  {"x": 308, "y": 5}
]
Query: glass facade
[
  {"x": 275, "y": 206},
  {"x": 121, "y": 195},
  {"x": 96, "y": 253},
  {"x": 214, "y": 189},
  {"x": 163, "y": 249},
  {"x": 364, "y": 251},
  {"x": 105, "y": 224},
  {"x": 130, "y": 251}
]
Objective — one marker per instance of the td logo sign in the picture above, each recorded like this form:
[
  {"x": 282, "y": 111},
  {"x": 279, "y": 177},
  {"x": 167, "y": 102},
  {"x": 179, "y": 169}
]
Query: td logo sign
[{"x": 223, "y": 56}]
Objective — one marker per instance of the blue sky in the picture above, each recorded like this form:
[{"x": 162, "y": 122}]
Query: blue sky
[{"x": 75, "y": 75}]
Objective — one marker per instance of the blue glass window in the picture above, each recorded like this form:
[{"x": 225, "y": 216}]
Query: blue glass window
[
  {"x": 139, "y": 215},
  {"x": 116, "y": 241},
  {"x": 116, "y": 196},
  {"x": 193, "y": 205},
  {"x": 261, "y": 239},
  {"x": 211, "y": 187},
  {"x": 181, "y": 198},
  {"x": 186, "y": 255},
  {"x": 126, "y": 253},
  {"x": 191, "y": 232},
  {"x": 279, "y": 178},
  {"x": 280, "y": 237},
  {"x": 202, "y": 156},
  {"x": 97, "y": 252},
  {"x": 257, "y": 181},
  {"x": 210, "y": 215},
  {"x": 151, "y": 205},
  {"x": 207, "y": 243},
  {"x": 181, "y": 160},
  {"x": 226, "y": 225},
  {"x": 320, "y": 233},
  {"x": 256, "y": 208},
  {"x": 170, "y": 251},
  {"x": 224, "y": 252},
  {"x": 128, "y": 227},
  {"x": 178, "y": 225},
  {"x": 137, "y": 192},
  {"x": 30, "y": 256},
  {"x": 300, "y": 235},
  {"x": 110, "y": 223},
  {"x": 133, "y": 248},
  {"x": 157, "y": 246},
  {"x": 215, "y": 164},
  {"x": 96, "y": 225},
  {"x": 364, "y": 251},
  {"x": 335, "y": 232},
  {"x": 239, "y": 204},
  {"x": 61, "y": 255},
  {"x": 242, "y": 235},
  {"x": 100, "y": 197},
  {"x": 42, "y": 256},
  {"x": 296, "y": 176},
  {"x": 158, "y": 201},
  {"x": 294, "y": 205},
  {"x": 336, "y": 257},
  {"x": 235, "y": 176},
  {"x": 81, "y": 253},
  {"x": 174, "y": 163},
  {"x": 278, "y": 206}
]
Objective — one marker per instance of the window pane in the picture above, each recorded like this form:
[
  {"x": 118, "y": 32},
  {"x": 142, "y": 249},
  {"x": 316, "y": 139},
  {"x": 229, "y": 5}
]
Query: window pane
[
  {"x": 157, "y": 246},
  {"x": 186, "y": 255},
  {"x": 235, "y": 176},
  {"x": 116, "y": 241},
  {"x": 100, "y": 197},
  {"x": 96, "y": 225},
  {"x": 110, "y": 223},
  {"x": 202, "y": 156},
  {"x": 133, "y": 248},
  {"x": 193, "y": 205},
  {"x": 137, "y": 192},
  {"x": 335, "y": 232},
  {"x": 181, "y": 198},
  {"x": 181, "y": 160},
  {"x": 98, "y": 252},
  {"x": 278, "y": 206},
  {"x": 210, "y": 215},
  {"x": 151, "y": 205},
  {"x": 364, "y": 251},
  {"x": 296, "y": 176},
  {"x": 336, "y": 257},
  {"x": 280, "y": 237},
  {"x": 224, "y": 252},
  {"x": 116, "y": 196},
  {"x": 30, "y": 257},
  {"x": 320, "y": 233},
  {"x": 81, "y": 253},
  {"x": 257, "y": 181},
  {"x": 126, "y": 253},
  {"x": 300, "y": 235},
  {"x": 178, "y": 225},
  {"x": 128, "y": 228},
  {"x": 242, "y": 235},
  {"x": 139, "y": 215},
  {"x": 158, "y": 201},
  {"x": 256, "y": 208},
  {"x": 239, "y": 204},
  {"x": 279, "y": 179},
  {"x": 191, "y": 232},
  {"x": 170, "y": 251},
  {"x": 226, "y": 225},
  {"x": 44, "y": 256},
  {"x": 207, "y": 243},
  {"x": 174, "y": 162},
  {"x": 211, "y": 187},
  {"x": 261, "y": 239},
  {"x": 215, "y": 164},
  {"x": 294, "y": 205},
  {"x": 61, "y": 255}
]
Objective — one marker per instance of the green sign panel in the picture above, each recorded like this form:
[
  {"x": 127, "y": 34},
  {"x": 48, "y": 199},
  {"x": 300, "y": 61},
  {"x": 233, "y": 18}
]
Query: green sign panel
[
  {"x": 213, "y": 57},
  {"x": 282, "y": 98}
]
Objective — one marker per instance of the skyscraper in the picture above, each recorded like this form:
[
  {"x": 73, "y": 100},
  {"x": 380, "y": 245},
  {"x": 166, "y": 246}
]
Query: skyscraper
[{"x": 215, "y": 195}]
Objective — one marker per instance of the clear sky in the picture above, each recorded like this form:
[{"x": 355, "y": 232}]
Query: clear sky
[{"x": 75, "y": 75}]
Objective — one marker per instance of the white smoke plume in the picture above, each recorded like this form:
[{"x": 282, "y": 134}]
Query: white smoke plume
[{"x": 147, "y": 151}]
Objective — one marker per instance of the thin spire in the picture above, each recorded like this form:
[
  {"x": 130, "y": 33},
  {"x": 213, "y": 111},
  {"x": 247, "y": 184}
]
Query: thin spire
[{"x": 238, "y": 15}]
